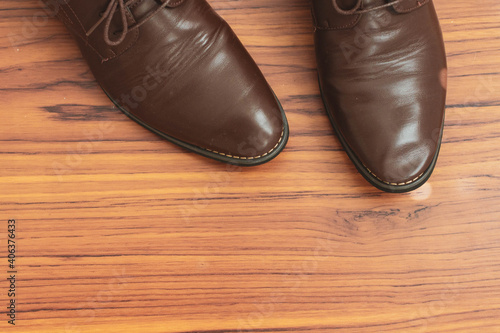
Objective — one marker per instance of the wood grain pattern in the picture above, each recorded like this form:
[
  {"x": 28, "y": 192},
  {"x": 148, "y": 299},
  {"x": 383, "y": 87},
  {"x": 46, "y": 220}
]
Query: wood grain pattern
[{"x": 121, "y": 231}]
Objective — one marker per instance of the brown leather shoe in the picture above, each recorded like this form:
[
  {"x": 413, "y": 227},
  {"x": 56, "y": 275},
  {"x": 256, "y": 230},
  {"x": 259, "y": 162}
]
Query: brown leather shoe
[
  {"x": 382, "y": 72},
  {"x": 177, "y": 68}
]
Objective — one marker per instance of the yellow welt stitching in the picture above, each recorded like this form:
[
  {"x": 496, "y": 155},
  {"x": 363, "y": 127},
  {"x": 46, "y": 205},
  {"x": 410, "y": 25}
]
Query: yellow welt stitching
[
  {"x": 394, "y": 184},
  {"x": 250, "y": 158}
]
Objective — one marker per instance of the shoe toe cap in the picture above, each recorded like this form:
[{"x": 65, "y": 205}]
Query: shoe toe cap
[
  {"x": 402, "y": 165},
  {"x": 254, "y": 130}
]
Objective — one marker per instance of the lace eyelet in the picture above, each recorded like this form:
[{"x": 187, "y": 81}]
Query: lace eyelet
[{"x": 122, "y": 7}]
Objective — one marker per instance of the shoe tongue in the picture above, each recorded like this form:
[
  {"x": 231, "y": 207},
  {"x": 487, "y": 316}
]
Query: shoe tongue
[
  {"x": 401, "y": 7},
  {"x": 146, "y": 6},
  {"x": 350, "y": 4},
  {"x": 409, "y": 5},
  {"x": 172, "y": 3},
  {"x": 346, "y": 4}
]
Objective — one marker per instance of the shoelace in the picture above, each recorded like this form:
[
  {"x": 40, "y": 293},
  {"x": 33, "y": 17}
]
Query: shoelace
[
  {"x": 110, "y": 12},
  {"x": 356, "y": 10}
]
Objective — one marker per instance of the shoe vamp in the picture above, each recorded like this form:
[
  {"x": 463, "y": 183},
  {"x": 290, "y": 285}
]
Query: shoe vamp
[{"x": 189, "y": 77}]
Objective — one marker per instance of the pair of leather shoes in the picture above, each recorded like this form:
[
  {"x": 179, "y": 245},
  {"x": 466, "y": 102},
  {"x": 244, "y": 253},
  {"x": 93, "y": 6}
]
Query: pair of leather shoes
[{"x": 177, "y": 68}]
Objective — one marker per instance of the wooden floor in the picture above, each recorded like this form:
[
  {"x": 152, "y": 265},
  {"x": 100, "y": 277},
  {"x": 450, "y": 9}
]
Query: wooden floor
[{"x": 118, "y": 230}]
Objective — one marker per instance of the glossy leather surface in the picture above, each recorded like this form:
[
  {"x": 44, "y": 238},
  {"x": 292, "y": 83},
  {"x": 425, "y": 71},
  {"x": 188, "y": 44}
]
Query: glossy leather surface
[
  {"x": 184, "y": 74},
  {"x": 383, "y": 79}
]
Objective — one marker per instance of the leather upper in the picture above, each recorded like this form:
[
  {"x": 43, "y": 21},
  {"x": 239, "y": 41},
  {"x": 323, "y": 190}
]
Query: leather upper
[
  {"x": 383, "y": 78},
  {"x": 183, "y": 73}
]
